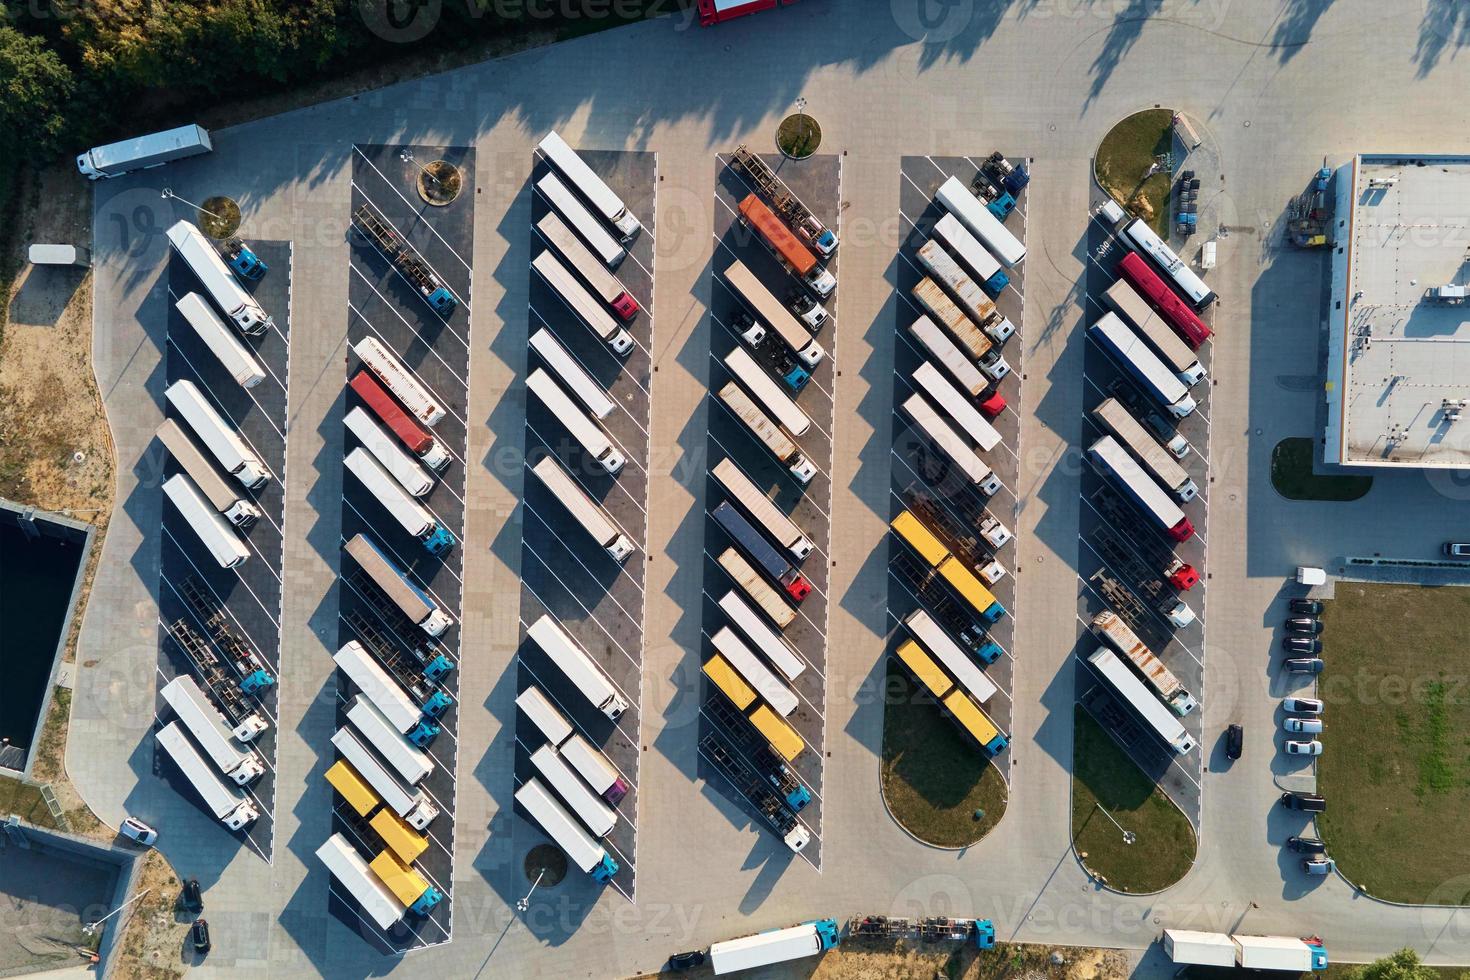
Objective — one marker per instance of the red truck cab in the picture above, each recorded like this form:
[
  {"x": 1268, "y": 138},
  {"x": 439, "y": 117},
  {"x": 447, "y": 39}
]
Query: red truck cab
[{"x": 718, "y": 11}]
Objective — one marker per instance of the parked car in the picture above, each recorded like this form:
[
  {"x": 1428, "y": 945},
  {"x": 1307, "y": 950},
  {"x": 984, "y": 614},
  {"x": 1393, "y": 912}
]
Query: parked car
[
  {"x": 193, "y": 898},
  {"x": 1320, "y": 865},
  {"x": 1294, "y": 747},
  {"x": 1303, "y": 706},
  {"x": 137, "y": 831},
  {"x": 1234, "y": 741},
  {"x": 1305, "y": 665},
  {"x": 1301, "y": 644},
  {"x": 1456, "y": 549},
  {"x": 1306, "y": 607},
  {"x": 199, "y": 936},
  {"x": 687, "y": 961},
  {"x": 1306, "y": 802},
  {"x": 1306, "y": 845},
  {"x": 1304, "y": 626},
  {"x": 1302, "y": 726}
]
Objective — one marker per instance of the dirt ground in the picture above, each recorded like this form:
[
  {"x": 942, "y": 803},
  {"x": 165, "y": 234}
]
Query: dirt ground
[{"x": 155, "y": 942}]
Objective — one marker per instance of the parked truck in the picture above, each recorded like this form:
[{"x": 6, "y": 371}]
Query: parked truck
[
  {"x": 947, "y": 652},
  {"x": 373, "y": 897},
  {"x": 385, "y": 449},
  {"x": 1126, "y": 685},
  {"x": 756, "y": 589},
  {"x": 596, "y": 815},
  {"x": 755, "y": 546},
  {"x": 1114, "y": 462},
  {"x": 584, "y": 673},
  {"x": 213, "y": 530},
  {"x": 591, "y": 764},
  {"x": 227, "y": 502},
  {"x": 943, "y": 269},
  {"x": 1171, "y": 307},
  {"x": 411, "y": 515},
  {"x": 230, "y": 809},
  {"x": 762, "y": 509},
  {"x": 756, "y": 788},
  {"x": 775, "y": 946},
  {"x": 232, "y": 355},
  {"x": 142, "y": 152},
  {"x": 218, "y": 437},
  {"x": 412, "y": 601},
  {"x": 1284, "y": 953},
  {"x": 760, "y": 385},
  {"x": 593, "y": 272},
  {"x": 1139, "y": 361},
  {"x": 976, "y": 257},
  {"x": 807, "y": 226},
  {"x": 769, "y": 312},
  {"x": 781, "y": 698},
  {"x": 1111, "y": 628},
  {"x": 566, "y": 831},
  {"x": 588, "y": 433},
  {"x": 943, "y": 311},
  {"x": 766, "y": 640},
  {"x": 411, "y": 763},
  {"x": 415, "y": 437},
  {"x": 205, "y": 262},
  {"x": 962, "y": 369},
  {"x": 572, "y": 373},
  {"x": 929, "y": 380},
  {"x": 416, "y": 809},
  {"x": 789, "y": 251},
  {"x": 571, "y": 208},
  {"x": 1135, "y": 311},
  {"x": 592, "y": 187},
  {"x": 955, "y": 447},
  {"x": 405, "y": 714},
  {"x": 398, "y": 379},
  {"x": 242, "y": 260},
  {"x": 587, "y": 512},
  {"x": 207, "y": 725},
  {"x": 396, "y": 249},
  {"x": 583, "y": 303},
  {"x": 408, "y": 886},
  {"x": 1161, "y": 464},
  {"x": 978, "y": 219},
  {"x": 769, "y": 433}
]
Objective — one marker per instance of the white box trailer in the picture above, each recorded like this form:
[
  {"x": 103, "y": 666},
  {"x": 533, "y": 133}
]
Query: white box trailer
[
  {"x": 583, "y": 303},
  {"x": 579, "y": 668},
  {"x": 598, "y": 817},
  {"x": 416, "y": 809},
  {"x": 595, "y": 768},
  {"x": 756, "y": 588},
  {"x": 209, "y": 729},
  {"x": 353, "y": 873},
  {"x": 572, "y": 373},
  {"x": 142, "y": 152},
  {"x": 385, "y": 449},
  {"x": 959, "y": 408},
  {"x": 1199, "y": 948},
  {"x": 966, "y": 293},
  {"x": 975, "y": 216},
  {"x": 218, "y": 437},
  {"x": 588, "y": 513},
  {"x": 587, "y": 432},
  {"x": 593, "y": 273},
  {"x": 775, "y": 946},
  {"x": 560, "y": 197},
  {"x": 213, "y": 530},
  {"x": 205, "y": 262},
  {"x": 961, "y": 666},
  {"x": 1284, "y": 953},
  {"x": 381, "y": 689},
  {"x": 768, "y": 310},
  {"x": 398, "y": 379},
  {"x": 225, "y": 500},
  {"x": 951, "y": 443},
  {"x": 1127, "y": 685},
  {"x": 230, "y": 809},
  {"x": 1139, "y": 360},
  {"x": 564, "y": 829},
  {"x": 967, "y": 248},
  {"x": 762, "y": 509},
  {"x": 768, "y": 432},
  {"x": 775, "y": 693},
  {"x": 232, "y": 355},
  {"x": 411, "y": 600},
  {"x": 1134, "y": 309},
  {"x": 598, "y": 194},
  {"x": 1118, "y": 422},
  {"x": 411, "y": 763},
  {"x": 766, "y": 640},
  {"x": 947, "y": 353},
  {"x": 765, "y": 390},
  {"x": 411, "y": 515},
  {"x": 543, "y": 714}
]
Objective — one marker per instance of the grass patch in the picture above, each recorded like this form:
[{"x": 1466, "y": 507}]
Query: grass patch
[
  {"x": 1127, "y": 153},
  {"x": 1292, "y": 476},
  {"x": 1103, "y": 773},
  {"x": 798, "y": 136},
  {"x": 1396, "y": 765},
  {"x": 24, "y": 800},
  {"x": 934, "y": 776}
]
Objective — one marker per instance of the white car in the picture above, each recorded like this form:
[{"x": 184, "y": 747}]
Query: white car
[
  {"x": 137, "y": 831},
  {"x": 1303, "y": 706},
  {"x": 1302, "y": 726},
  {"x": 1313, "y": 747},
  {"x": 1319, "y": 865}
]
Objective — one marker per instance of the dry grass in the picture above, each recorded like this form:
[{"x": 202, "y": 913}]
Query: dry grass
[
  {"x": 154, "y": 935},
  {"x": 1126, "y": 154}
]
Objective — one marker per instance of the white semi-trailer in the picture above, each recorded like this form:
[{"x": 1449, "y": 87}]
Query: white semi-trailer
[
  {"x": 961, "y": 666},
  {"x": 1112, "y": 460},
  {"x": 367, "y": 889},
  {"x": 228, "y": 808},
  {"x": 587, "y": 432},
  {"x": 593, "y": 188},
  {"x": 768, "y": 432},
  {"x": 1139, "y": 360},
  {"x": 209, "y": 729},
  {"x": 398, "y": 379},
  {"x": 1134, "y": 309},
  {"x": 589, "y": 762},
  {"x": 768, "y": 310},
  {"x": 385, "y": 449},
  {"x": 1116, "y": 421},
  {"x": 572, "y": 373},
  {"x": 952, "y": 444},
  {"x": 598, "y": 817},
  {"x": 943, "y": 269},
  {"x": 1126, "y": 685},
  {"x": 1111, "y": 628},
  {"x": 142, "y": 152},
  {"x": 976, "y": 217},
  {"x": 766, "y": 640},
  {"x": 205, "y": 262},
  {"x": 756, "y": 673},
  {"x": 232, "y": 355},
  {"x": 593, "y": 273},
  {"x": 1284, "y": 953},
  {"x": 579, "y": 668},
  {"x": 411, "y": 515},
  {"x": 412, "y": 764},
  {"x": 411, "y": 600},
  {"x": 213, "y": 530},
  {"x": 932, "y": 382},
  {"x": 570, "y": 207},
  {"x": 416, "y": 809},
  {"x": 566, "y": 831},
  {"x": 775, "y": 946},
  {"x": 587, "y": 512},
  {"x": 236, "y": 510},
  {"x": 402, "y": 711},
  {"x": 218, "y": 436},
  {"x": 761, "y": 509},
  {"x": 765, "y": 390},
  {"x": 583, "y": 303},
  {"x": 944, "y": 350},
  {"x": 967, "y": 248}
]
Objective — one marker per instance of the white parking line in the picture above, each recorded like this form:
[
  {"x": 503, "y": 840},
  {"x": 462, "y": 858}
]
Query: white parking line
[
  {"x": 575, "y": 557},
  {"x": 253, "y": 352},
  {"x": 405, "y": 200},
  {"x": 397, "y": 558},
  {"x": 632, "y": 738},
  {"x": 751, "y": 805},
  {"x": 577, "y": 599},
  {"x": 550, "y": 447}
]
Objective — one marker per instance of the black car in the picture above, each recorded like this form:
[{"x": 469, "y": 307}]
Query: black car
[
  {"x": 1234, "y": 741},
  {"x": 1306, "y": 802},
  {"x": 1306, "y": 845},
  {"x": 193, "y": 899},
  {"x": 1301, "y": 644},
  {"x": 687, "y": 961},
  {"x": 199, "y": 936},
  {"x": 1304, "y": 626},
  {"x": 1306, "y": 607}
]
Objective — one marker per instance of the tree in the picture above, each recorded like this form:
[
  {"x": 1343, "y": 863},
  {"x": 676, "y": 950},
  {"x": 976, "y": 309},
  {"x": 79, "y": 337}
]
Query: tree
[
  {"x": 1403, "y": 965},
  {"x": 36, "y": 90}
]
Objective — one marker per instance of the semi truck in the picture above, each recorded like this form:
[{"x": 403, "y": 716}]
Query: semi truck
[
  {"x": 755, "y": 673},
  {"x": 419, "y": 441},
  {"x": 754, "y": 545},
  {"x": 587, "y": 512},
  {"x": 374, "y": 897},
  {"x": 142, "y": 152},
  {"x": 592, "y": 187},
  {"x": 942, "y": 349},
  {"x": 967, "y": 248},
  {"x": 976, "y": 217},
  {"x": 767, "y": 432},
  {"x": 756, "y": 789},
  {"x": 227, "y": 502},
  {"x": 789, "y": 251},
  {"x": 952, "y": 444},
  {"x": 760, "y": 385},
  {"x": 223, "y": 442},
  {"x": 580, "y": 669},
  {"x": 230, "y": 809},
  {"x": 411, "y": 515},
  {"x": 565, "y": 831},
  {"x": 416, "y": 809},
  {"x": 1138, "y": 234},
  {"x": 943, "y": 269},
  {"x": 583, "y": 303},
  {"x": 572, "y": 373},
  {"x": 766, "y": 640},
  {"x": 406, "y": 259},
  {"x": 589, "y": 762},
  {"x": 1113, "y": 461},
  {"x": 949, "y": 567},
  {"x": 1116, "y": 421},
  {"x": 204, "y": 261},
  {"x": 1176, "y": 311},
  {"x": 412, "y": 601},
  {"x": 962, "y": 410},
  {"x": 807, "y": 226},
  {"x": 593, "y": 272},
  {"x": 405, "y": 714},
  {"x": 209, "y": 729},
  {"x": 938, "y": 644},
  {"x": 1109, "y": 627},
  {"x": 775, "y": 946},
  {"x": 782, "y": 738},
  {"x": 756, "y": 589},
  {"x": 961, "y": 707},
  {"x": 1142, "y": 364},
  {"x": 560, "y": 197},
  {"x": 597, "y": 816},
  {"x": 232, "y": 355},
  {"x": 213, "y": 530},
  {"x": 242, "y": 260},
  {"x": 769, "y": 311},
  {"x": 587, "y": 432},
  {"x": 1285, "y": 953},
  {"x": 762, "y": 509},
  {"x": 943, "y": 310},
  {"x": 412, "y": 764},
  {"x": 1126, "y": 685},
  {"x": 408, "y": 886},
  {"x": 1136, "y": 312},
  {"x": 399, "y": 380},
  {"x": 385, "y": 449}
]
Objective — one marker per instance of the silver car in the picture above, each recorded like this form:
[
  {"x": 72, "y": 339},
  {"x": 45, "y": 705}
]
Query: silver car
[
  {"x": 1302, "y": 726},
  {"x": 1319, "y": 865},
  {"x": 1303, "y": 706},
  {"x": 1313, "y": 747}
]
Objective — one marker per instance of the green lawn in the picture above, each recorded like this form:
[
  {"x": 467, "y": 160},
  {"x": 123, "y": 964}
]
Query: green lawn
[
  {"x": 24, "y": 800},
  {"x": 1396, "y": 764},
  {"x": 1103, "y": 773},
  {"x": 1292, "y": 476},
  {"x": 1124, "y": 156},
  {"x": 934, "y": 776}
]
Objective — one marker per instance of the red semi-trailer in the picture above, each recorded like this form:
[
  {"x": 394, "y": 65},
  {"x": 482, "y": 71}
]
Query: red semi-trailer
[
  {"x": 413, "y": 435},
  {"x": 719, "y": 11},
  {"x": 1133, "y": 268}
]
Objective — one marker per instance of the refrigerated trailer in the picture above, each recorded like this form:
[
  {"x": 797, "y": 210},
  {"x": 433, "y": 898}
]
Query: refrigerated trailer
[
  {"x": 1108, "y": 626},
  {"x": 223, "y": 442},
  {"x": 766, "y": 640},
  {"x": 967, "y": 248},
  {"x": 591, "y": 186},
  {"x": 943, "y": 350},
  {"x": 718, "y": 11},
  {"x": 775, "y": 946},
  {"x": 765, "y": 390},
  {"x": 228, "y": 808},
  {"x": 1126, "y": 685},
  {"x": 769, "y": 311},
  {"x": 756, "y": 589},
  {"x": 1116, "y": 420},
  {"x": 957, "y": 662},
  {"x": 952, "y": 444},
  {"x": 232, "y": 355},
  {"x": 943, "y": 269},
  {"x": 767, "y": 432},
  {"x": 754, "y": 544},
  {"x": 587, "y": 432},
  {"x": 142, "y": 152},
  {"x": 417, "y": 810},
  {"x": 213, "y": 530},
  {"x": 959, "y": 408},
  {"x": 580, "y": 669},
  {"x": 572, "y": 373},
  {"x": 1138, "y": 234},
  {"x": 413, "y": 435},
  {"x": 583, "y": 303},
  {"x": 1285, "y": 953},
  {"x": 589, "y": 762},
  {"x": 1134, "y": 310},
  {"x": 208, "y": 726},
  {"x": 570, "y": 207},
  {"x": 353, "y": 873},
  {"x": 788, "y": 249},
  {"x": 762, "y": 509},
  {"x": 385, "y": 449},
  {"x": 976, "y": 217},
  {"x": 204, "y": 261},
  {"x": 1113, "y": 461},
  {"x": 1136, "y": 358},
  {"x": 593, "y": 272},
  {"x": 587, "y": 512},
  {"x": 399, "y": 380},
  {"x": 411, "y": 763},
  {"x": 227, "y": 502},
  {"x": 382, "y": 690},
  {"x": 411, "y": 600},
  {"x": 411, "y": 515},
  {"x": 564, "y": 829},
  {"x": 775, "y": 693},
  {"x": 597, "y": 816}
]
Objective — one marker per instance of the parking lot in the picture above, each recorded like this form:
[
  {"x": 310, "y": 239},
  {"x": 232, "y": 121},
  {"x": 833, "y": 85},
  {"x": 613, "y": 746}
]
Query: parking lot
[
  {"x": 385, "y": 305},
  {"x": 1122, "y": 552},
  {"x": 565, "y": 574},
  {"x": 728, "y": 753},
  {"x": 220, "y": 624}
]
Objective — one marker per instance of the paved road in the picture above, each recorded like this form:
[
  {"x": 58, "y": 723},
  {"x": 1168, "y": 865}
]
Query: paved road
[{"x": 1046, "y": 77}]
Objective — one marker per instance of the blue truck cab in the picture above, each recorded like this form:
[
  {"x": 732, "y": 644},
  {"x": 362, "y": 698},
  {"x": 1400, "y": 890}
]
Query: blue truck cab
[
  {"x": 438, "y": 540},
  {"x": 436, "y": 667},
  {"x": 1319, "y": 952},
  {"x": 438, "y": 703},
  {"x": 984, "y": 934},
  {"x": 605, "y": 870},
  {"x": 1002, "y": 206},
  {"x": 997, "y": 745},
  {"x": 826, "y": 242},
  {"x": 256, "y": 681},
  {"x": 424, "y": 733},
  {"x": 242, "y": 261},
  {"x": 426, "y": 902},
  {"x": 1015, "y": 181},
  {"x": 996, "y": 284},
  {"x": 990, "y": 652},
  {"x": 828, "y": 932},
  {"x": 442, "y": 301}
]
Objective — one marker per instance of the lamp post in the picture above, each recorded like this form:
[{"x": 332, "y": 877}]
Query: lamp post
[
  {"x": 91, "y": 928},
  {"x": 169, "y": 195},
  {"x": 525, "y": 903},
  {"x": 1128, "y": 836},
  {"x": 407, "y": 157}
]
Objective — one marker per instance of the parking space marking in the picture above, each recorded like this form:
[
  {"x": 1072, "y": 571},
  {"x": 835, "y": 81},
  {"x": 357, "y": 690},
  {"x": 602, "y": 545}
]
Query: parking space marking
[
  {"x": 199, "y": 668},
  {"x": 378, "y": 539},
  {"x": 201, "y": 577},
  {"x": 575, "y": 598},
  {"x": 453, "y": 251},
  {"x": 417, "y": 335},
  {"x": 606, "y": 593}
]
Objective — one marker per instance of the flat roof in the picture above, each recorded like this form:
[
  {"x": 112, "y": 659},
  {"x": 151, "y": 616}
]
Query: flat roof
[{"x": 1397, "y": 354}]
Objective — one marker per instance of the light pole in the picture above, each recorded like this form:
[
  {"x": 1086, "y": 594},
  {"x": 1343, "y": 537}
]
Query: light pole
[
  {"x": 525, "y": 903},
  {"x": 91, "y": 928},
  {"x": 168, "y": 195},
  {"x": 806, "y": 124},
  {"x": 1128, "y": 836},
  {"x": 407, "y": 157}
]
